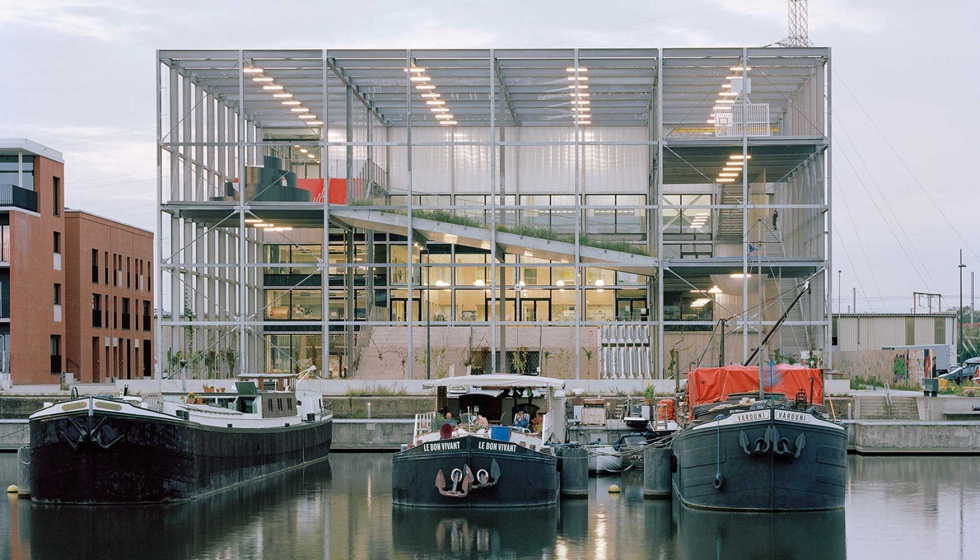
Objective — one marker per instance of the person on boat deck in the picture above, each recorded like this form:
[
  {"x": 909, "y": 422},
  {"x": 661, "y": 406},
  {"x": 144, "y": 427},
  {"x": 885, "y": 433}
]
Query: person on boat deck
[
  {"x": 521, "y": 420},
  {"x": 482, "y": 423},
  {"x": 450, "y": 420}
]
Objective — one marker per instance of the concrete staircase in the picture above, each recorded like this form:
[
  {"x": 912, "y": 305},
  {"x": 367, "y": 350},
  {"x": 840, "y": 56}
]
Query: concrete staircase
[{"x": 877, "y": 408}]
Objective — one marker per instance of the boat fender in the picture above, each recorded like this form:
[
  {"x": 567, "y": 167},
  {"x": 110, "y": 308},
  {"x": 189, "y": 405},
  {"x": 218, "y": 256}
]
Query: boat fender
[
  {"x": 74, "y": 393},
  {"x": 719, "y": 481}
]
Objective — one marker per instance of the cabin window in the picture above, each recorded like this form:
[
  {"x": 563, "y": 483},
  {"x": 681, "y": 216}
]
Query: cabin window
[
  {"x": 289, "y": 404},
  {"x": 280, "y": 404},
  {"x": 270, "y": 405}
]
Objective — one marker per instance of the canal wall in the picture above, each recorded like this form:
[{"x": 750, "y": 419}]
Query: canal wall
[
  {"x": 886, "y": 437},
  {"x": 14, "y": 434},
  {"x": 371, "y": 434}
]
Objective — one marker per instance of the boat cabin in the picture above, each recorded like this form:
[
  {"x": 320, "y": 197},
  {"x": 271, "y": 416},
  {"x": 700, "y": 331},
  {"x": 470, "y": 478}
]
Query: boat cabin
[{"x": 498, "y": 398}]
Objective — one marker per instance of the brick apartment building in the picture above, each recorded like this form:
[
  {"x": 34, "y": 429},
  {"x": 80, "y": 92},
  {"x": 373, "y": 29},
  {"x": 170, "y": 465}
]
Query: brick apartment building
[
  {"x": 48, "y": 292},
  {"x": 109, "y": 299}
]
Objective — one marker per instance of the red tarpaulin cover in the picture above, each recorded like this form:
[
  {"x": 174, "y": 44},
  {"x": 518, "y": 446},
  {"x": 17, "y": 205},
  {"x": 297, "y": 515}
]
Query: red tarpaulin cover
[{"x": 707, "y": 385}]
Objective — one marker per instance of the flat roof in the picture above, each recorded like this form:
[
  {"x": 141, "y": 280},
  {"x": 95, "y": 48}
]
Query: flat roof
[
  {"x": 25, "y": 146},
  {"x": 114, "y": 223}
]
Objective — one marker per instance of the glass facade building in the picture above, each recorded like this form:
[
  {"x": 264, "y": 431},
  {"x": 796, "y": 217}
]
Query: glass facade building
[{"x": 411, "y": 214}]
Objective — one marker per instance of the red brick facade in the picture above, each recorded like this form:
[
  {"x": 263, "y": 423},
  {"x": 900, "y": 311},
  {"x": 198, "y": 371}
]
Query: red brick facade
[{"x": 110, "y": 299}]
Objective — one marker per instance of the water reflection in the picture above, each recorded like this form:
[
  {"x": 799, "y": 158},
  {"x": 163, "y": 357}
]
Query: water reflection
[
  {"x": 462, "y": 533},
  {"x": 706, "y": 534}
]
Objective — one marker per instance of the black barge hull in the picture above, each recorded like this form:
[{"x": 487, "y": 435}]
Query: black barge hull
[
  {"x": 107, "y": 458},
  {"x": 521, "y": 477},
  {"x": 765, "y": 463}
]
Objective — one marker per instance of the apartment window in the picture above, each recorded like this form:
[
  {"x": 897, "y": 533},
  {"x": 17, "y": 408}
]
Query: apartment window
[
  {"x": 106, "y": 265},
  {"x": 57, "y": 294},
  {"x": 115, "y": 270},
  {"x": 115, "y": 312},
  {"x": 57, "y": 242},
  {"x": 95, "y": 266},
  {"x": 56, "y": 196},
  {"x": 125, "y": 313},
  {"x": 55, "y": 353},
  {"x": 96, "y": 310},
  {"x": 146, "y": 316},
  {"x": 128, "y": 275}
]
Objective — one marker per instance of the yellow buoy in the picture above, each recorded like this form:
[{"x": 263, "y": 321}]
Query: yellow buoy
[
  {"x": 12, "y": 489},
  {"x": 614, "y": 489}
]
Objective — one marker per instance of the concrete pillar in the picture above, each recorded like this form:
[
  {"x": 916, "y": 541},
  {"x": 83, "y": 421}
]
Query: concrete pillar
[
  {"x": 574, "y": 466},
  {"x": 656, "y": 472}
]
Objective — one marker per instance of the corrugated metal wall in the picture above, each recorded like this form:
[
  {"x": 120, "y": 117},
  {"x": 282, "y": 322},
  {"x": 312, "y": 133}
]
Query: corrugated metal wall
[{"x": 875, "y": 332}]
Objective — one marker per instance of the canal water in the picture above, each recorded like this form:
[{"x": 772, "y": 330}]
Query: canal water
[{"x": 897, "y": 507}]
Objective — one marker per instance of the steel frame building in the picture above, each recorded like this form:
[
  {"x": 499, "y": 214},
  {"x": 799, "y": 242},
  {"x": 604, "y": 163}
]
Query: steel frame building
[{"x": 587, "y": 213}]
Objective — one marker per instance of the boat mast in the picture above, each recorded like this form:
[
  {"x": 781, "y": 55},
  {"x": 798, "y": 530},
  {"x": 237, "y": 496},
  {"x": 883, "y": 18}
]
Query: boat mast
[{"x": 761, "y": 341}]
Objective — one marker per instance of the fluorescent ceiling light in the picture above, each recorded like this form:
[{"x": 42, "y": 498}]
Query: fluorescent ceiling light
[
  {"x": 581, "y": 109},
  {"x": 439, "y": 109},
  {"x": 733, "y": 77},
  {"x": 715, "y": 290},
  {"x": 416, "y": 69},
  {"x": 300, "y": 109},
  {"x": 272, "y": 88},
  {"x": 581, "y": 102},
  {"x": 580, "y": 69},
  {"x": 580, "y": 94},
  {"x": 420, "y": 78},
  {"x": 291, "y": 103},
  {"x": 310, "y": 156},
  {"x": 724, "y": 180},
  {"x": 262, "y": 79},
  {"x": 304, "y": 150},
  {"x": 308, "y": 116},
  {"x": 282, "y": 95},
  {"x": 583, "y": 86},
  {"x": 431, "y": 95},
  {"x": 739, "y": 169},
  {"x": 447, "y": 116},
  {"x": 479, "y": 283},
  {"x": 560, "y": 283},
  {"x": 740, "y": 275},
  {"x": 253, "y": 220},
  {"x": 728, "y": 94},
  {"x": 441, "y": 283},
  {"x": 725, "y": 101},
  {"x": 584, "y": 122},
  {"x": 253, "y": 70},
  {"x": 726, "y": 86},
  {"x": 314, "y": 122},
  {"x": 447, "y": 122},
  {"x": 710, "y": 121},
  {"x": 739, "y": 156},
  {"x": 265, "y": 225},
  {"x": 435, "y": 102},
  {"x": 728, "y": 174},
  {"x": 425, "y": 86},
  {"x": 580, "y": 78},
  {"x": 739, "y": 68}
]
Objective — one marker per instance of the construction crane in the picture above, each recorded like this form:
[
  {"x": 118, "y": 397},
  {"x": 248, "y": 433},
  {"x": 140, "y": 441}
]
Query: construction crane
[{"x": 799, "y": 33}]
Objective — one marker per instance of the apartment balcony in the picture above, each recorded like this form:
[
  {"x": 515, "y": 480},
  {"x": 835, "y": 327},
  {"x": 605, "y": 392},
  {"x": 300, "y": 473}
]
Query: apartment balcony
[
  {"x": 5, "y": 308},
  {"x": 12, "y": 195},
  {"x": 5, "y": 253}
]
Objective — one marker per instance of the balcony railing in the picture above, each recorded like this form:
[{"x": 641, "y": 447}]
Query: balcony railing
[
  {"x": 728, "y": 120},
  {"x": 125, "y": 321},
  {"x": 12, "y": 195},
  {"x": 5, "y": 252},
  {"x": 97, "y": 318},
  {"x": 5, "y": 308}
]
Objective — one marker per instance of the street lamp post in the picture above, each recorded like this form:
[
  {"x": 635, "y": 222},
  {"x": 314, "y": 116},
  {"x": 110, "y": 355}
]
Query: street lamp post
[
  {"x": 838, "y": 291},
  {"x": 959, "y": 338}
]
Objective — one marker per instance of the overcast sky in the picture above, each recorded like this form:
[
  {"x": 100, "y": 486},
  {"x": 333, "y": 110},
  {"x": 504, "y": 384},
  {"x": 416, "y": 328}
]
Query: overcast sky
[{"x": 77, "y": 76}]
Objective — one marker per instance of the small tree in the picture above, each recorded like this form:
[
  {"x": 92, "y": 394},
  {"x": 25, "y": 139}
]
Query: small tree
[{"x": 588, "y": 358}]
